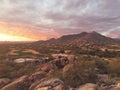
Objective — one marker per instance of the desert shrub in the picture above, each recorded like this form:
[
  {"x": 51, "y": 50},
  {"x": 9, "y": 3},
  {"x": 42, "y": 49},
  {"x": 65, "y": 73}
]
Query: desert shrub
[
  {"x": 101, "y": 65},
  {"x": 113, "y": 67},
  {"x": 80, "y": 73},
  {"x": 55, "y": 73},
  {"x": 20, "y": 70},
  {"x": 5, "y": 68},
  {"x": 12, "y": 70}
]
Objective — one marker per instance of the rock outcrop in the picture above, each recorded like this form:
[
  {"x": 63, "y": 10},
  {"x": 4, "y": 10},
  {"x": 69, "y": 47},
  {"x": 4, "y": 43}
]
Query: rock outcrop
[
  {"x": 51, "y": 84},
  {"x": 16, "y": 85},
  {"x": 37, "y": 76},
  {"x": 4, "y": 81}
]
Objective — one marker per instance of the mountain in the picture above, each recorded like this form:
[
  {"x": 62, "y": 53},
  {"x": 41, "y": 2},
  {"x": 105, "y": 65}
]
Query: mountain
[
  {"x": 117, "y": 39},
  {"x": 94, "y": 38},
  {"x": 70, "y": 38},
  {"x": 81, "y": 38}
]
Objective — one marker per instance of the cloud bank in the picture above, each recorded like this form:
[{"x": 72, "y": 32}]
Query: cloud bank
[{"x": 43, "y": 19}]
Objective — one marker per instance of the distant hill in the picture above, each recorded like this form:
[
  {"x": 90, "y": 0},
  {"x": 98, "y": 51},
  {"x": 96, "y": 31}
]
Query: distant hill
[
  {"x": 81, "y": 38},
  {"x": 15, "y": 42},
  {"x": 117, "y": 39}
]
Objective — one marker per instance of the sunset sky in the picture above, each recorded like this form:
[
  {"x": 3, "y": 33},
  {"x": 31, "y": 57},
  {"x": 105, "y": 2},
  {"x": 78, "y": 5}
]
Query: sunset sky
[{"x": 29, "y": 20}]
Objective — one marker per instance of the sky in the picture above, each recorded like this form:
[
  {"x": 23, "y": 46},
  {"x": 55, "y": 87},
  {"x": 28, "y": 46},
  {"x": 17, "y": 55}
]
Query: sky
[{"x": 29, "y": 20}]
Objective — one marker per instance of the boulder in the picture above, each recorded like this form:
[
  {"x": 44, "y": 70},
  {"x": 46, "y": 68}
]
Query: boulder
[
  {"x": 61, "y": 62},
  {"x": 71, "y": 58},
  {"x": 37, "y": 75},
  {"x": 88, "y": 86},
  {"x": 67, "y": 51},
  {"x": 116, "y": 87},
  {"x": 48, "y": 66},
  {"x": 67, "y": 67},
  {"x": 37, "y": 82},
  {"x": 4, "y": 81},
  {"x": 72, "y": 88},
  {"x": 51, "y": 84},
  {"x": 15, "y": 85}
]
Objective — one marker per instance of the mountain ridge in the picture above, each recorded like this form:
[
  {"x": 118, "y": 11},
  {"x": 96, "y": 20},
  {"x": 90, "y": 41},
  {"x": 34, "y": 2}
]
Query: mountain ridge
[{"x": 81, "y": 38}]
